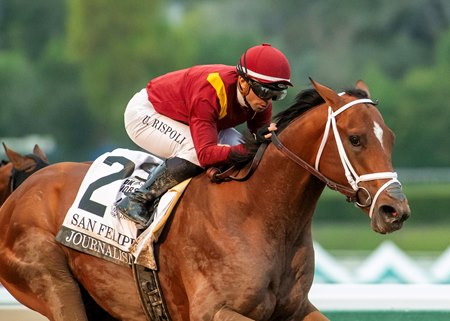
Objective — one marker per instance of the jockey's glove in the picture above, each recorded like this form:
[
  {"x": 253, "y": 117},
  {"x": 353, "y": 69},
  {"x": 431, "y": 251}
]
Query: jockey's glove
[{"x": 260, "y": 135}]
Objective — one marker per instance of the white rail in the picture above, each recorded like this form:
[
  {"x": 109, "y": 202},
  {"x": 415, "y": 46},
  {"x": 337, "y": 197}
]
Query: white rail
[{"x": 381, "y": 297}]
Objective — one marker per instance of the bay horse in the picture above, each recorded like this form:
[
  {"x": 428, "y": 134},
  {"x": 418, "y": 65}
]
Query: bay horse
[
  {"x": 236, "y": 251},
  {"x": 17, "y": 168}
]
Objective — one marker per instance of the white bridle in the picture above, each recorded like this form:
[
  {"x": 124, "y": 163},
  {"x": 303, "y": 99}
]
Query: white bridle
[{"x": 352, "y": 177}]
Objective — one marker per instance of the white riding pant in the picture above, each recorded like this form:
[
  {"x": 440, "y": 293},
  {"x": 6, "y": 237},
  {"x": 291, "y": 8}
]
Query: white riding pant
[{"x": 162, "y": 136}]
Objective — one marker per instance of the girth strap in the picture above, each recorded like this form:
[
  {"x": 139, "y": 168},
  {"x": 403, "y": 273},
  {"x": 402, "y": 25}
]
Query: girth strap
[{"x": 150, "y": 292}]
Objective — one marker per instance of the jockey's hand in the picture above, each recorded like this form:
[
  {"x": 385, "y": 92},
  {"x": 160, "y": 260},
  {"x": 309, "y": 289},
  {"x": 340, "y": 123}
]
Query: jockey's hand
[{"x": 263, "y": 134}]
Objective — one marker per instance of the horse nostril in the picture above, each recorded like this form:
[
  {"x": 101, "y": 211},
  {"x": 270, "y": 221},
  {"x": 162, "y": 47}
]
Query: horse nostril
[
  {"x": 389, "y": 211},
  {"x": 393, "y": 215}
]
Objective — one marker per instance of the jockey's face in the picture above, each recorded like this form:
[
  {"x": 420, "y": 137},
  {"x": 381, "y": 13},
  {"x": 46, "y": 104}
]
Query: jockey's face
[{"x": 257, "y": 104}]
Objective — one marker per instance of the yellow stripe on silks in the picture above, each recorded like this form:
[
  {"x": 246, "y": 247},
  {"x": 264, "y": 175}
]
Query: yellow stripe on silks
[{"x": 215, "y": 81}]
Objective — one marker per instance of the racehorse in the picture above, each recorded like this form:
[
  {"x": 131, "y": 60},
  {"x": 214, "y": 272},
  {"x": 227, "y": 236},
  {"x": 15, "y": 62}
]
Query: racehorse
[
  {"x": 231, "y": 251},
  {"x": 17, "y": 168}
]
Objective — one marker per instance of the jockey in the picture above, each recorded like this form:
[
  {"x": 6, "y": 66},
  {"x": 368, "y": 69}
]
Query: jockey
[{"x": 187, "y": 117}]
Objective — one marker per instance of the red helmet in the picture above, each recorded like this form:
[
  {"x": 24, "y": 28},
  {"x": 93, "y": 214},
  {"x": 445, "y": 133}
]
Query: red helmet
[{"x": 265, "y": 64}]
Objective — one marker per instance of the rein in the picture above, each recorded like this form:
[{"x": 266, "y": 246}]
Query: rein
[
  {"x": 349, "y": 192},
  {"x": 352, "y": 177}
]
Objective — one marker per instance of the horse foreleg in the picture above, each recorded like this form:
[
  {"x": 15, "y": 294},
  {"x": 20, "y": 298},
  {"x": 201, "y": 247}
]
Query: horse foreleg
[
  {"x": 54, "y": 297},
  {"x": 35, "y": 272},
  {"x": 226, "y": 314}
]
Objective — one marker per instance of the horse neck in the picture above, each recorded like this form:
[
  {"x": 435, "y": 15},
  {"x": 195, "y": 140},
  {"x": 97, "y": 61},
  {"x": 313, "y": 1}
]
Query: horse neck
[{"x": 286, "y": 191}]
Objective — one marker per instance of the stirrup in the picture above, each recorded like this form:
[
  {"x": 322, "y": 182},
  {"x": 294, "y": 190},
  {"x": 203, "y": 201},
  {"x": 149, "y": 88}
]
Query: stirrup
[
  {"x": 133, "y": 210},
  {"x": 127, "y": 208},
  {"x": 152, "y": 209}
]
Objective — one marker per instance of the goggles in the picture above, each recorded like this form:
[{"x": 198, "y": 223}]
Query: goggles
[{"x": 266, "y": 92}]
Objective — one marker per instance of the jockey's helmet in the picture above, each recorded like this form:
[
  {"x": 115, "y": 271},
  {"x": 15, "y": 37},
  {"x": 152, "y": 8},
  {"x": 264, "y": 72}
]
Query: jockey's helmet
[{"x": 266, "y": 65}]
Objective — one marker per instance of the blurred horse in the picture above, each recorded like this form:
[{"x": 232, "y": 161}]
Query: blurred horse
[
  {"x": 232, "y": 251},
  {"x": 17, "y": 168},
  {"x": 13, "y": 172}
]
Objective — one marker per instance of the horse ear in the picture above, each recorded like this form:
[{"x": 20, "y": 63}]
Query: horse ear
[
  {"x": 363, "y": 86},
  {"x": 9, "y": 152},
  {"x": 328, "y": 94},
  {"x": 39, "y": 153},
  {"x": 19, "y": 162}
]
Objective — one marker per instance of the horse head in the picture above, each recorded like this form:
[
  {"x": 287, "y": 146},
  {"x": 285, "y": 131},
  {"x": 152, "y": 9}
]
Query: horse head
[
  {"x": 18, "y": 168},
  {"x": 351, "y": 152}
]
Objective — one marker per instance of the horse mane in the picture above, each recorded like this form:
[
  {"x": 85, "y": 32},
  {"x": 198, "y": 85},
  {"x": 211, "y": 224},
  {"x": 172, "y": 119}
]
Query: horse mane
[{"x": 304, "y": 101}]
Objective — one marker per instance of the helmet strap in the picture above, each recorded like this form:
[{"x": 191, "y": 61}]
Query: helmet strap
[
  {"x": 242, "y": 90},
  {"x": 244, "y": 93},
  {"x": 246, "y": 103}
]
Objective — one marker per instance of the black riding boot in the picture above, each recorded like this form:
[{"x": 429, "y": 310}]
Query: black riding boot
[{"x": 137, "y": 206}]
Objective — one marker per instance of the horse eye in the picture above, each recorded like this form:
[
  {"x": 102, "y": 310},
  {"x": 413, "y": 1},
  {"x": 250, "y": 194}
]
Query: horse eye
[{"x": 355, "y": 140}]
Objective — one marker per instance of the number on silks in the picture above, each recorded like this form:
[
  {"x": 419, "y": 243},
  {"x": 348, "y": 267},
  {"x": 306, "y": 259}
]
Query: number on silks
[{"x": 96, "y": 208}]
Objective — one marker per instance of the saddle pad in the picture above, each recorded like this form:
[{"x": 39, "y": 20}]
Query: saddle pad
[
  {"x": 142, "y": 248},
  {"x": 92, "y": 224}
]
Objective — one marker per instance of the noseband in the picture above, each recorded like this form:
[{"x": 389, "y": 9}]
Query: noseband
[{"x": 353, "y": 193}]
